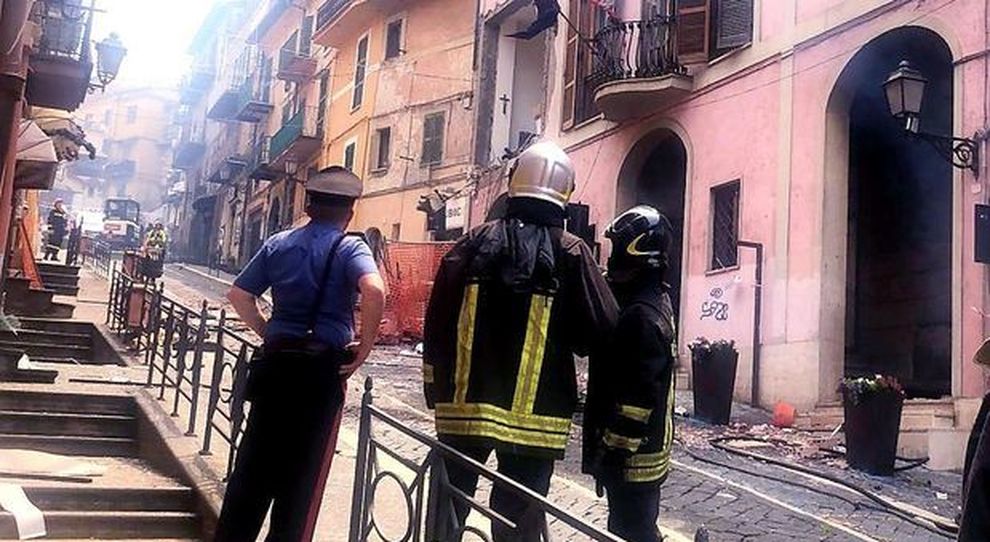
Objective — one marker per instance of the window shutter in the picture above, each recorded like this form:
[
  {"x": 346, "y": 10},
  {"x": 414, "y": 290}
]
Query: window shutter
[
  {"x": 433, "y": 127},
  {"x": 692, "y": 30},
  {"x": 734, "y": 23},
  {"x": 570, "y": 66},
  {"x": 306, "y": 37}
]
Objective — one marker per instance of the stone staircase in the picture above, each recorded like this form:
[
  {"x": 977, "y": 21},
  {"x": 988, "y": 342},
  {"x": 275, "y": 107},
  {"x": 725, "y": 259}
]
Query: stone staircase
[
  {"x": 63, "y": 279},
  {"x": 59, "y": 341},
  {"x": 22, "y": 300},
  {"x": 133, "y": 500}
]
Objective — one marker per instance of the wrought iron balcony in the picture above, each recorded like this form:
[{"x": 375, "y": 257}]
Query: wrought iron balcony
[
  {"x": 61, "y": 61},
  {"x": 260, "y": 167},
  {"x": 254, "y": 101},
  {"x": 226, "y": 159},
  {"x": 298, "y": 139},
  {"x": 636, "y": 69},
  {"x": 348, "y": 18},
  {"x": 296, "y": 66},
  {"x": 225, "y": 106},
  {"x": 189, "y": 151}
]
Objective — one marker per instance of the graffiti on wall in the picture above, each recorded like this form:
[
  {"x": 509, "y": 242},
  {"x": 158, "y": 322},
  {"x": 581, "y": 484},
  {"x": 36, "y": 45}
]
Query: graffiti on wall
[{"x": 714, "y": 308}]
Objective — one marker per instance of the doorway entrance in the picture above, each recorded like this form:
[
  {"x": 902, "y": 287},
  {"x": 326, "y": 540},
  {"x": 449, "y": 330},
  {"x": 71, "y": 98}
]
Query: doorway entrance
[
  {"x": 655, "y": 173},
  {"x": 898, "y": 276}
]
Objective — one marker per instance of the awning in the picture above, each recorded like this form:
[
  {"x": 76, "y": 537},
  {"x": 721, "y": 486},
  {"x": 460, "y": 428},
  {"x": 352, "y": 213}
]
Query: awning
[{"x": 37, "y": 161}]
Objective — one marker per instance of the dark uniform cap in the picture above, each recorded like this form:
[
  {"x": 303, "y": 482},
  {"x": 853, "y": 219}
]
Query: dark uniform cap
[{"x": 335, "y": 181}]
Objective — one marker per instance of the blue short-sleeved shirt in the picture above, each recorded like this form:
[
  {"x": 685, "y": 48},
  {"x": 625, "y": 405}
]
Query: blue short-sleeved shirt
[{"x": 291, "y": 263}]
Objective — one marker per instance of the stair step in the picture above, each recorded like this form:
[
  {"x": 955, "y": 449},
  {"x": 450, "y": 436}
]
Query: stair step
[
  {"x": 71, "y": 445},
  {"x": 70, "y": 291},
  {"x": 67, "y": 424},
  {"x": 67, "y": 403},
  {"x": 39, "y": 336},
  {"x": 61, "y": 269},
  {"x": 48, "y": 349},
  {"x": 29, "y": 376},
  {"x": 110, "y": 525},
  {"x": 120, "y": 499}
]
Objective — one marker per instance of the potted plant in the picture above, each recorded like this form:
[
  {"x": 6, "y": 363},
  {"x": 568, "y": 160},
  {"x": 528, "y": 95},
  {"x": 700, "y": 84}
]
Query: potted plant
[
  {"x": 713, "y": 369},
  {"x": 872, "y": 422}
]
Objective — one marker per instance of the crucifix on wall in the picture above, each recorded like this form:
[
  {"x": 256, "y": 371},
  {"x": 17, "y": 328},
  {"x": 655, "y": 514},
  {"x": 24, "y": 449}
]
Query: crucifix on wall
[{"x": 505, "y": 103}]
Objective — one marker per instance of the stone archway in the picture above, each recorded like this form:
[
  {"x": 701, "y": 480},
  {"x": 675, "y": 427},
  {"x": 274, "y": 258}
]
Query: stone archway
[
  {"x": 655, "y": 172},
  {"x": 888, "y": 226}
]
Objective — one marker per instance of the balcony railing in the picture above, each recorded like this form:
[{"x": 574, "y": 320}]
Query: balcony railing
[
  {"x": 636, "y": 49},
  {"x": 260, "y": 167},
  {"x": 189, "y": 151},
  {"x": 635, "y": 68},
  {"x": 254, "y": 100},
  {"x": 61, "y": 60},
  {"x": 299, "y": 138},
  {"x": 296, "y": 66},
  {"x": 329, "y": 11}
]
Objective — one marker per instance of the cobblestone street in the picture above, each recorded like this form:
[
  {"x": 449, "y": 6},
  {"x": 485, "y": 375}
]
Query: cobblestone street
[{"x": 733, "y": 498}]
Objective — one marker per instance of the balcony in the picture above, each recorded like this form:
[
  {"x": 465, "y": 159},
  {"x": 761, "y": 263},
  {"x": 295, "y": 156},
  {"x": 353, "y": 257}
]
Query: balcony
[
  {"x": 254, "y": 101},
  {"x": 196, "y": 84},
  {"x": 89, "y": 169},
  {"x": 636, "y": 69},
  {"x": 61, "y": 61},
  {"x": 260, "y": 167},
  {"x": 189, "y": 152},
  {"x": 348, "y": 18},
  {"x": 296, "y": 66},
  {"x": 226, "y": 170},
  {"x": 225, "y": 107},
  {"x": 122, "y": 170},
  {"x": 298, "y": 140}
]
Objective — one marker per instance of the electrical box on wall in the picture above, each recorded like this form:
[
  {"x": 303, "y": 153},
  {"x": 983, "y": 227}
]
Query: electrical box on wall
[{"x": 982, "y": 223}]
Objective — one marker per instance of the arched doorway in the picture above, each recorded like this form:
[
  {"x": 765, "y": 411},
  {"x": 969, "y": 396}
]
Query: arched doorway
[
  {"x": 655, "y": 173},
  {"x": 894, "y": 196},
  {"x": 274, "y": 217}
]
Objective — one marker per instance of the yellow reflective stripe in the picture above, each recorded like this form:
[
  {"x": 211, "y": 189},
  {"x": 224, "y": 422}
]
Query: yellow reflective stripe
[
  {"x": 531, "y": 361},
  {"x": 484, "y": 428},
  {"x": 427, "y": 373},
  {"x": 613, "y": 440},
  {"x": 636, "y": 413},
  {"x": 668, "y": 434},
  {"x": 465, "y": 342},
  {"x": 649, "y": 474},
  {"x": 499, "y": 415},
  {"x": 648, "y": 460}
]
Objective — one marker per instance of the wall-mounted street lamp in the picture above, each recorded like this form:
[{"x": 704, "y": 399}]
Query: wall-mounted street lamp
[
  {"x": 110, "y": 55},
  {"x": 905, "y": 92}
]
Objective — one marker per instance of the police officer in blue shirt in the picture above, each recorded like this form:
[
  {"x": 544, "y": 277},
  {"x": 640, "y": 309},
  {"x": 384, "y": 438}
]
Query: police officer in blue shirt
[{"x": 295, "y": 385}]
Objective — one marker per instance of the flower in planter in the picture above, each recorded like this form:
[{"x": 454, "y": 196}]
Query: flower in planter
[
  {"x": 703, "y": 347},
  {"x": 857, "y": 389}
]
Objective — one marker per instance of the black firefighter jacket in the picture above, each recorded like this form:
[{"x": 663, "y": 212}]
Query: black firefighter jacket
[
  {"x": 629, "y": 426},
  {"x": 511, "y": 306}
]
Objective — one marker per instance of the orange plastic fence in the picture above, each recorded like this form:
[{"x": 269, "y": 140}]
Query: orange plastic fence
[{"x": 409, "y": 271}]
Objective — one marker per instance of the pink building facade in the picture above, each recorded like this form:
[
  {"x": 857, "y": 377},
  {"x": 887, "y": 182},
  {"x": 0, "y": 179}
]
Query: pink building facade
[{"x": 774, "y": 131}]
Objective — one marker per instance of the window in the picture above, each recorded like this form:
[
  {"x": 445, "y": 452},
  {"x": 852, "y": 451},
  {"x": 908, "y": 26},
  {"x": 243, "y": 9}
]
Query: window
[
  {"x": 306, "y": 36},
  {"x": 710, "y": 28},
  {"x": 131, "y": 114},
  {"x": 433, "y": 126},
  {"x": 579, "y": 93},
  {"x": 393, "y": 39},
  {"x": 383, "y": 148},
  {"x": 321, "y": 112},
  {"x": 360, "y": 66},
  {"x": 350, "y": 151},
  {"x": 725, "y": 226},
  {"x": 396, "y": 231}
]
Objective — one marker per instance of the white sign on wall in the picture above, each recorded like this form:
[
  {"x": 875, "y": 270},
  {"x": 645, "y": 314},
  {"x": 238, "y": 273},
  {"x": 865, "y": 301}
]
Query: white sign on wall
[{"x": 456, "y": 212}]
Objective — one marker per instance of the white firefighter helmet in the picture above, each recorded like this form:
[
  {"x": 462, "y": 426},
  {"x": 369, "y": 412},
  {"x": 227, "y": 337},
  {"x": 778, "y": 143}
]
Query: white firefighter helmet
[{"x": 543, "y": 172}]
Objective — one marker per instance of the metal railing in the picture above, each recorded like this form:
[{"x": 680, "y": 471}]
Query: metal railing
[
  {"x": 195, "y": 361},
  {"x": 66, "y": 26},
  {"x": 302, "y": 124},
  {"x": 99, "y": 256},
  {"x": 329, "y": 11},
  {"x": 635, "y": 50}
]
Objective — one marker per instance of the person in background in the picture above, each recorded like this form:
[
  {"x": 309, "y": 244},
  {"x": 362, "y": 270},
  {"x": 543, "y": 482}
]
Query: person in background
[
  {"x": 512, "y": 304},
  {"x": 975, "y": 524},
  {"x": 629, "y": 419},
  {"x": 58, "y": 223},
  {"x": 296, "y": 382}
]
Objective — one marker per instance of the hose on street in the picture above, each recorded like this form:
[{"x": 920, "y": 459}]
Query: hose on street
[{"x": 938, "y": 526}]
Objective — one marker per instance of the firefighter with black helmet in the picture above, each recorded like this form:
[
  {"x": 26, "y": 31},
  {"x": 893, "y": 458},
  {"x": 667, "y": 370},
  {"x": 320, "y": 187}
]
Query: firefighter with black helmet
[
  {"x": 512, "y": 304},
  {"x": 295, "y": 383},
  {"x": 629, "y": 426}
]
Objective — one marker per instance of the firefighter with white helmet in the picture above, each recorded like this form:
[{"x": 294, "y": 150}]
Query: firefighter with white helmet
[{"x": 512, "y": 304}]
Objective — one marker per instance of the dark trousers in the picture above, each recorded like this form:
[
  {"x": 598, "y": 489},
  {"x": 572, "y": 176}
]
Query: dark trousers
[
  {"x": 51, "y": 253},
  {"x": 532, "y": 472},
  {"x": 633, "y": 511},
  {"x": 975, "y": 524},
  {"x": 284, "y": 456}
]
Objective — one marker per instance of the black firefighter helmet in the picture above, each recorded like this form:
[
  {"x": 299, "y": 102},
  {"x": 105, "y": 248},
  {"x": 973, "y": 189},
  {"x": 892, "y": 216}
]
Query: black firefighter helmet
[{"x": 641, "y": 240}]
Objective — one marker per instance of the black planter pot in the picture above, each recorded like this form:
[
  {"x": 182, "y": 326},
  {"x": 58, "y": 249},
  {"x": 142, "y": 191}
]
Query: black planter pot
[
  {"x": 714, "y": 377},
  {"x": 872, "y": 426}
]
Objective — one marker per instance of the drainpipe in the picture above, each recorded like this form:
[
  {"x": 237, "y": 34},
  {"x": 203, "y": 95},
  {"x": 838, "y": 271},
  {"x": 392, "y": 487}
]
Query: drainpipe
[{"x": 757, "y": 317}]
